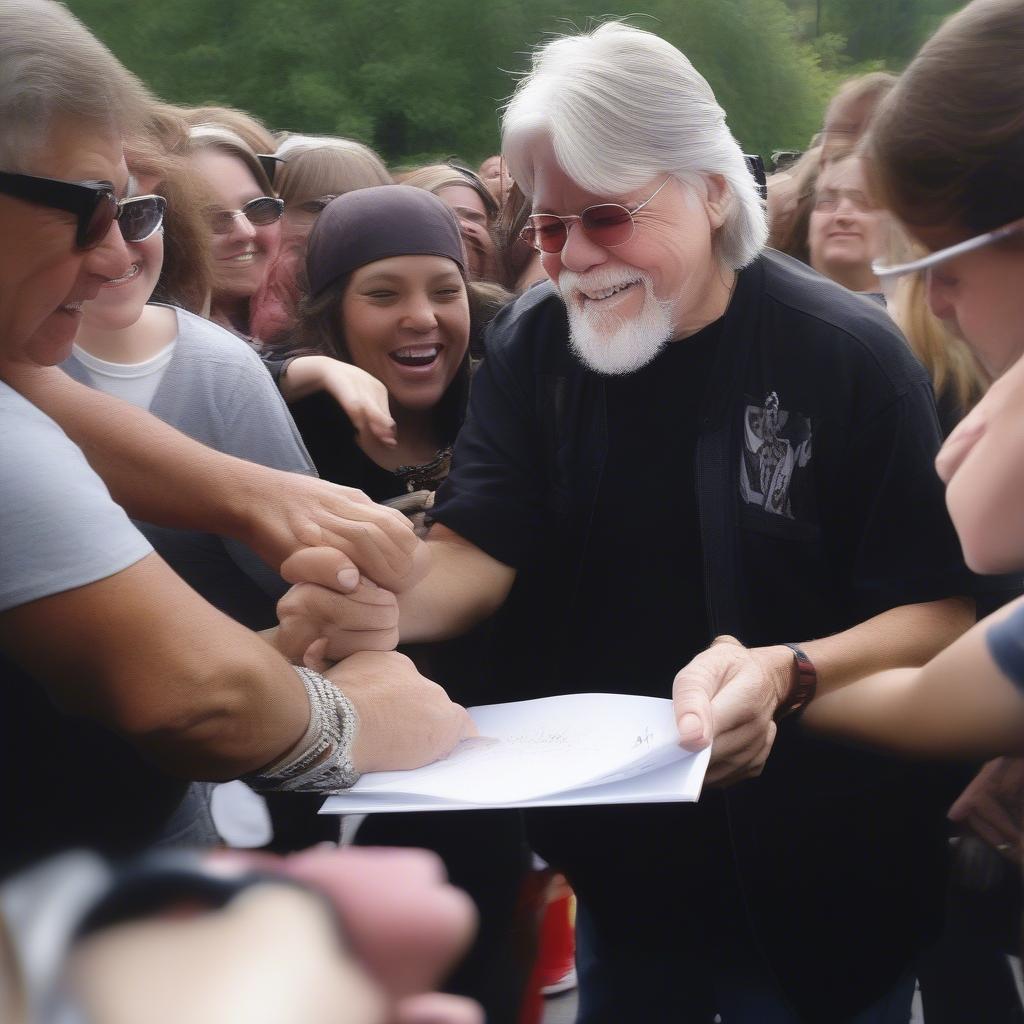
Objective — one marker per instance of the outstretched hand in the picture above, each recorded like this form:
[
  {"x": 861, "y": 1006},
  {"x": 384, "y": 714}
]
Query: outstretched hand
[
  {"x": 727, "y": 696},
  {"x": 295, "y": 512}
]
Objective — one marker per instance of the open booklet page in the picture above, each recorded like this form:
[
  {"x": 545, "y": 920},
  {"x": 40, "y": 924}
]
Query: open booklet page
[{"x": 575, "y": 749}]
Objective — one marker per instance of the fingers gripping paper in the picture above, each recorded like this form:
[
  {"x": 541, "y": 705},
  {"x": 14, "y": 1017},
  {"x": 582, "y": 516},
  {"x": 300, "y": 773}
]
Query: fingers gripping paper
[{"x": 584, "y": 748}]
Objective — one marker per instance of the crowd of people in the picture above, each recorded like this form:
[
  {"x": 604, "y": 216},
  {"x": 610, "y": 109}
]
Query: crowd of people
[{"x": 302, "y": 455}]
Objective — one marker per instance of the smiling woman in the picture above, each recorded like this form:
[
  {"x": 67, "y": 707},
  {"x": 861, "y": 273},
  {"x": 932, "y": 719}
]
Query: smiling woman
[
  {"x": 388, "y": 295},
  {"x": 244, "y": 217}
]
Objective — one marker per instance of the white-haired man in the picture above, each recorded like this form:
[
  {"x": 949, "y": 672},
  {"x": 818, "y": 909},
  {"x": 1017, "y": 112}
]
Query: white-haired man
[{"x": 684, "y": 440}]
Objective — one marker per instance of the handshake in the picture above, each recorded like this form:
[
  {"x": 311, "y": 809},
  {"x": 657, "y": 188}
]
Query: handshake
[{"x": 341, "y": 618}]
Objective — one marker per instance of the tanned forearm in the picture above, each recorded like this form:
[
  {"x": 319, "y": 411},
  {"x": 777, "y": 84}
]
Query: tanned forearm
[
  {"x": 155, "y": 472},
  {"x": 909, "y": 635},
  {"x": 957, "y": 705},
  {"x": 464, "y": 586}
]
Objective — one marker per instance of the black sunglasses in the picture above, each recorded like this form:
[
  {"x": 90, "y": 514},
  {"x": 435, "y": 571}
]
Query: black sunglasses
[
  {"x": 93, "y": 203},
  {"x": 269, "y": 163}
]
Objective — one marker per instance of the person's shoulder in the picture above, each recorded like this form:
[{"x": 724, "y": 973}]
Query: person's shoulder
[
  {"x": 27, "y": 432},
  {"x": 834, "y": 326},
  {"x": 59, "y": 527},
  {"x": 532, "y": 327},
  {"x": 212, "y": 342}
]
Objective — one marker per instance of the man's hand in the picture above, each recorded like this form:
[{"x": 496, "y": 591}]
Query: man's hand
[
  {"x": 405, "y": 720},
  {"x": 993, "y": 806},
  {"x": 288, "y": 512},
  {"x": 319, "y": 626},
  {"x": 728, "y": 694}
]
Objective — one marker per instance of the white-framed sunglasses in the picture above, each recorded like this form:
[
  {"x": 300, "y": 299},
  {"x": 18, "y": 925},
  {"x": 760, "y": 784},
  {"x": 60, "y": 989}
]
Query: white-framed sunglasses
[{"x": 933, "y": 259}]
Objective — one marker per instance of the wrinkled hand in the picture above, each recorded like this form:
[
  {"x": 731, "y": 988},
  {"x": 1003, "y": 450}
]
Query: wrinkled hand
[
  {"x": 294, "y": 512},
  {"x": 993, "y": 806},
  {"x": 728, "y": 694},
  {"x": 405, "y": 720},
  {"x": 364, "y": 400},
  {"x": 365, "y": 619}
]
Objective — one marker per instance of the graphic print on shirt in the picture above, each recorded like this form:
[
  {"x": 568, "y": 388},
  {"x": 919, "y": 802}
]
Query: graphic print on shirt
[{"x": 776, "y": 448}]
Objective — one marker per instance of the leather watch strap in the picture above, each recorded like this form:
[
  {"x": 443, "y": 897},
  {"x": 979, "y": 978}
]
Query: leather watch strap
[{"x": 803, "y": 686}]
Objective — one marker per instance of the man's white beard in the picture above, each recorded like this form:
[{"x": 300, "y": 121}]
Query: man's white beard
[{"x": 608, "y": 343}]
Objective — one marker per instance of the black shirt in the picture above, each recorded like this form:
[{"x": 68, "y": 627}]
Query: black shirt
[
  {"x": 641, "y": 590},
  {"x": 817, "y": 507}
]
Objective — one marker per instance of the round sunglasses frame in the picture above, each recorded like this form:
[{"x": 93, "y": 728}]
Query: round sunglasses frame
[{"x": 529, "y": 233}]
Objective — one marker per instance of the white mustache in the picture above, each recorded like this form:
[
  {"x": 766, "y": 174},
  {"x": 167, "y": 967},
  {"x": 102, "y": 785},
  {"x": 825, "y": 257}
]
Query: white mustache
[{"x": 597, "y": 280}]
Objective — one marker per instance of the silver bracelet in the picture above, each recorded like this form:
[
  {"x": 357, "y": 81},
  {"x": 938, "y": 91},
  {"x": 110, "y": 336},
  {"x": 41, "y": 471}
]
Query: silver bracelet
[{"x": 332, "y": 728}]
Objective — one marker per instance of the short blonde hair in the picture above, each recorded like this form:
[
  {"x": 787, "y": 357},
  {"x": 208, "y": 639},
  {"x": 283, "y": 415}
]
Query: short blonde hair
[{"x": 332, "y": 168}]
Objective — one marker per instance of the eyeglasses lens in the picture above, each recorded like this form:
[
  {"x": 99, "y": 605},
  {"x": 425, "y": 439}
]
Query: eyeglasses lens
[
  {"x": 140, "y": 217},
  {"x": 546, "y": 233},
  {"x": 263, "y": 211},
  {"x": 608, "y": 224},
  {"x": 102, "y": 216},
  {"x": 258, "y": 212}
]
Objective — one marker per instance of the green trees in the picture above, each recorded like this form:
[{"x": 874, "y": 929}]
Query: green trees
[{"x": 425, "y": 78}]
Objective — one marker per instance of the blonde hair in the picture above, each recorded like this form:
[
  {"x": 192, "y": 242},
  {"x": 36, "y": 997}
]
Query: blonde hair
[
  {"x": 249, "y": 129},
  {"x": 50, "y": 65},
  {"x": 333, "y": 167},
  {"x": 950, "y": 363},
  {"x": 215, "y": 136},
  {"x": 434, "y": 177},
  {"x": 851, "y": 110},
  {"x": 622, "y": 106},
  {"x": 158, "y": 151}
]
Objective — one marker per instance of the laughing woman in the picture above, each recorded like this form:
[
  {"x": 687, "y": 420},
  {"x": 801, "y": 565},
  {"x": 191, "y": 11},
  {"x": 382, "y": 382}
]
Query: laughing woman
[{"x": 388, "y": 295}]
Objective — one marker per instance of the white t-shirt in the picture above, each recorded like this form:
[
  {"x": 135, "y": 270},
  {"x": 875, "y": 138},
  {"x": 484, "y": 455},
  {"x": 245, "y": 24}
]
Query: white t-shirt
[
  {"x": 59, "y": 527},
  {"x": 131, "y": 382}
]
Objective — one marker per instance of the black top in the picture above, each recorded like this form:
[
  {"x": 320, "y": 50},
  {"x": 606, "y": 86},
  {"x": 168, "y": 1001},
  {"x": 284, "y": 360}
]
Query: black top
[
  {"x": 817, "y": 508},
  {"x": 330, "y": 439},
  {"x": 653, "y": 423}
]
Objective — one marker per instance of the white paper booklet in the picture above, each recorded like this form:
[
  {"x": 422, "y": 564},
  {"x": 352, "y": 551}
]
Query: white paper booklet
[{"x": 583, "y": 748}]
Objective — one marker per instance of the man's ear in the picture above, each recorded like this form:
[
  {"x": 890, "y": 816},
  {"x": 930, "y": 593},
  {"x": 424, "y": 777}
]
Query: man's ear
[{"x": 718, "y": 199}]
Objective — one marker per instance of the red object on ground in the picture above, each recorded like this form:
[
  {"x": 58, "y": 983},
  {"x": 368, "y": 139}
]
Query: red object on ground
[{"x": 556, "y": 954}]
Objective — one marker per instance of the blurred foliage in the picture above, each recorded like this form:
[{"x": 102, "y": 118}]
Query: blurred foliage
[{"x": 418, "y": 79}]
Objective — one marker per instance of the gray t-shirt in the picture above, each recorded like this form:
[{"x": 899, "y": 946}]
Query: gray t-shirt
[
  {"x": 65, "y": 781},
  {"x": 216, "y": 390},
  {"x": 59, "y": 527}
]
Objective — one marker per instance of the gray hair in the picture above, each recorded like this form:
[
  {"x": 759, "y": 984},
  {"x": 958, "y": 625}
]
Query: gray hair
[
  {"x": 51, "y": 65},
  {"x": 622, "y": 106}
]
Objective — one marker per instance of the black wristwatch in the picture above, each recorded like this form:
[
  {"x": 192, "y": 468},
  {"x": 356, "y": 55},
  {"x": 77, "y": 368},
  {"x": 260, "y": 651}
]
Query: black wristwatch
[{"x": 803, "y": 686}]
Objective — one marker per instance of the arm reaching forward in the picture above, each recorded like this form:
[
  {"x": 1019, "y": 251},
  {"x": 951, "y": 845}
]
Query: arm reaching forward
[
  {"x": 318, "y": 625},
  {"x": 163, "y": 477}
]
